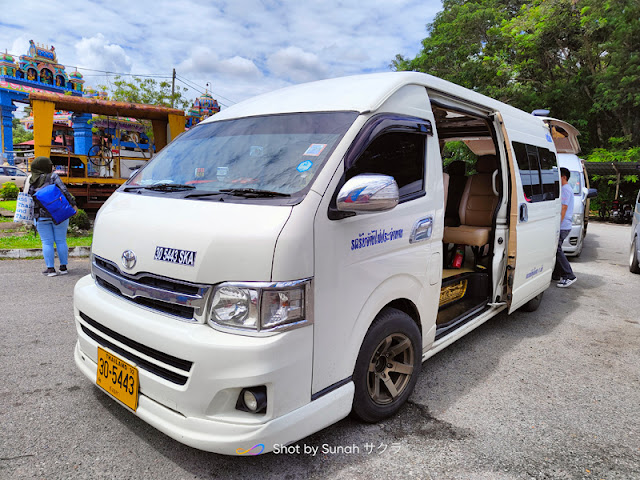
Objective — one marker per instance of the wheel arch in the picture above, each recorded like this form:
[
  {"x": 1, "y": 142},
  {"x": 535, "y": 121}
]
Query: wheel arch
[{"x": 402, "y": 292}]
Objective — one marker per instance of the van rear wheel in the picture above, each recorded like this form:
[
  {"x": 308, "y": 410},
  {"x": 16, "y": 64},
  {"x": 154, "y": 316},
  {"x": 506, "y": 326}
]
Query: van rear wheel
[
  {"x": 387, "y": 367},
  {"x": 533, "y": 304}
]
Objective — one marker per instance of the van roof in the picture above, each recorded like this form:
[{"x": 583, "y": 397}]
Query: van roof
[{"x": 360, "y": 93}]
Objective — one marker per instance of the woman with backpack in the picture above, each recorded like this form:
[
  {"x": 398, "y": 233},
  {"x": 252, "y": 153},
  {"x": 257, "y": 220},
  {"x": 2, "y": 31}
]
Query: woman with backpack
[{"x": 50, "y": 233}]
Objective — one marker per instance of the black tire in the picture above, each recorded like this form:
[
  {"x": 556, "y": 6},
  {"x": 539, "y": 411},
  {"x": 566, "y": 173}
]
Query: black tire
[
  {"x": 634, "y": 266},
  {"x": 386, "y": 350},
  {"x": 533, "y": 304}
]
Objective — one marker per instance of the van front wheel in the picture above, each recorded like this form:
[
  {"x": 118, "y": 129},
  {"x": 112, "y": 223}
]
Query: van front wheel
[{"x": 388, "y": 366}]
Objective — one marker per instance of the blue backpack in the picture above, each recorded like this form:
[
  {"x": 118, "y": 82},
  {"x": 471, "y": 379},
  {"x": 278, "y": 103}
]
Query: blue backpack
[{"x": 54, "y": 202}]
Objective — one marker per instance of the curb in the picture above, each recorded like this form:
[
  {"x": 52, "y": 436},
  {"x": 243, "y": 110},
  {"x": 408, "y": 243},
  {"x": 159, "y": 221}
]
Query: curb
[{"x": 37, "y": 252}]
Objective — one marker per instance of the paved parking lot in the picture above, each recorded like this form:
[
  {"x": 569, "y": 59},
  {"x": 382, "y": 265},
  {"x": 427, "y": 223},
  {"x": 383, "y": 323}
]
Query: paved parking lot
[{"x": 551, "y": 394}]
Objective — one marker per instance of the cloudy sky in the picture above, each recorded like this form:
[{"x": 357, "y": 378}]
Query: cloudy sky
[{"x": 240, "y": 47}]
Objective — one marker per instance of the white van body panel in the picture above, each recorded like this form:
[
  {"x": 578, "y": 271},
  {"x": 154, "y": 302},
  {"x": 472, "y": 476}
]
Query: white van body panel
[
  {"x": 211, "y": 229},
  {"x": 538, "y": 236},
  {"x": 373, "y": 276},
  {"x": 306, "y": 371}
]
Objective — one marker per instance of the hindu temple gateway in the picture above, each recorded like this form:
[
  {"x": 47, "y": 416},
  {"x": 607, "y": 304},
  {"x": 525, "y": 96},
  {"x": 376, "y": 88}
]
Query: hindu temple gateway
[{"x": 39, "y": 72}]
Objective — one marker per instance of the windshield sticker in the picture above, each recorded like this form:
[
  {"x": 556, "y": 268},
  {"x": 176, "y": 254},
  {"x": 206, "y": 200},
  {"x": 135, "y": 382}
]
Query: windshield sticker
[
  {"x": 256, "y": 151},
  {"x": 374, "y": 237},
  {"x": 315, "y": 149},
  {"x": 199, "y": 172},
  {"x": 222, "y": 171},
  {"x": 174, "y": 255},
  {"x": 304, "y": 166}
]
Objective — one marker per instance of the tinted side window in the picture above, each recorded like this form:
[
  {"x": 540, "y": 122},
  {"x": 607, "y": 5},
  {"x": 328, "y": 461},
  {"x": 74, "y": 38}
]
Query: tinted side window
[
  {"x": 530, "y": 179},
  {"x": 549, "y": 174},
  {"x": 538, "y": 172},
  {"x": 398, "y": 154}
]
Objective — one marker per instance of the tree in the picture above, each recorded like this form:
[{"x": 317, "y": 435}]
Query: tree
[
  {"x": 579, "y": 58},
  {"x": 149, "y": 91},
  {"x": 20, "y": 134}
]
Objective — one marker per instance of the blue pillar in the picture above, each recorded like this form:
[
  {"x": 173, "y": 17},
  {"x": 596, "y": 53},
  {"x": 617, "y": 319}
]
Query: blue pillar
[
  {"x": 82, "y": 136},
  {"x": 7, "y": 109}
]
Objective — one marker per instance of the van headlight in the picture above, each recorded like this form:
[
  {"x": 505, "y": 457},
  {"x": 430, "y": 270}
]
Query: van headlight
[
  {"x": 261, "y": 307},
  {"x": 576, "y": 219}
]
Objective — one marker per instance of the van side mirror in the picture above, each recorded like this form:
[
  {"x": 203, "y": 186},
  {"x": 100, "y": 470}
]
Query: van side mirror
[
  {"x": 593, "y": 192},
  {"x": 368, "y": 193}
]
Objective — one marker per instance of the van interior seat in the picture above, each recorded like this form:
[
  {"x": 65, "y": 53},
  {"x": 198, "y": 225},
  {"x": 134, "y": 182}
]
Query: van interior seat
[
  {"x": 477, "y": 206},
  {"x": 455, "y": 189}
]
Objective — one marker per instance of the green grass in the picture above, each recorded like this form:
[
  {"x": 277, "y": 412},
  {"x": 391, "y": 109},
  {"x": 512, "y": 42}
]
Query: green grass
[
  {"x": 31, "y": 241},
  {"x": 9, "y": 204}
]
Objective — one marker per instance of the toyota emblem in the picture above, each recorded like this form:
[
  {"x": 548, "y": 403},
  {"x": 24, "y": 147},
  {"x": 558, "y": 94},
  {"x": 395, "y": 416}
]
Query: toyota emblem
[{"x": 129, "y": 259}]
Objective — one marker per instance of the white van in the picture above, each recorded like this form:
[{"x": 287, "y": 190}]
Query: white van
[
  {"x": 284, "y": 263},
  {"x": 565, "y": 138}
]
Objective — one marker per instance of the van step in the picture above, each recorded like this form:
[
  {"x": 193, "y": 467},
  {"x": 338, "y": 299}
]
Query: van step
[{"x": 460, "y": 295}]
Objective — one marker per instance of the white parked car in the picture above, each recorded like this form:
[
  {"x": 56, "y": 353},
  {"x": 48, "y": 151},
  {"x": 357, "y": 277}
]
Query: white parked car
[
  {"x": 286, "y": 261},
  {"x": 12, "y": 174},
  {"x": 565, "y": 137}
]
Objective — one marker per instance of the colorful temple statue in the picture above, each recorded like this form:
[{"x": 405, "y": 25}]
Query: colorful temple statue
[
  {"x": 203, "y": 107},
  {"x": 39, "y": 67}
]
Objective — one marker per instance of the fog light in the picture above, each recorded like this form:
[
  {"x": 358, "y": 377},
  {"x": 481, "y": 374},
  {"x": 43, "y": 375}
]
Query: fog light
[
  {"x": 253, "y": 399},
  {"x": 250, "y": 400}
]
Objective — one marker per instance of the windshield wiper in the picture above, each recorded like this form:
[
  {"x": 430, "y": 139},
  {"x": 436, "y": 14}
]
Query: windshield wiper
[
  {"x": 252, "y": 192},
  {"x": 162, "y": 187}
]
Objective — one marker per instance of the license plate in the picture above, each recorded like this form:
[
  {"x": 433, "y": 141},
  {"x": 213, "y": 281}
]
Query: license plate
[{"x": 118, "y": 378}]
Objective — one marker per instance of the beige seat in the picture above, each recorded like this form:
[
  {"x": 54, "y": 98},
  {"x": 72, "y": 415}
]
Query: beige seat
[{"x": 477, "y": 206}]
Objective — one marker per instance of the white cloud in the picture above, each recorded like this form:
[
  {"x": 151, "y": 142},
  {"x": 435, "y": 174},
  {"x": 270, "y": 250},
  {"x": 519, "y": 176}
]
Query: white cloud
[
  {"x": 97, "y": 53},
  {"x": 297, "y": 65},
  {"x": 238, "y": 67},
  {"x": 241, "y": 47}
]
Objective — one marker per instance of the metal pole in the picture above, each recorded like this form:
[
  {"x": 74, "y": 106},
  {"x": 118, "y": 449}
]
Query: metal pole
[{"x": 173, "y": 86}]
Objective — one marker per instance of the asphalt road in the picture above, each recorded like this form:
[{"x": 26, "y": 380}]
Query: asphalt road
[{"x": 551, "y": 394}]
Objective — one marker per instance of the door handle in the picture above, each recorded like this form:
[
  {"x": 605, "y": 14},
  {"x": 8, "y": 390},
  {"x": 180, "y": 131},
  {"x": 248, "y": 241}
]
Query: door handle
[
  {"x": 422, "y": 230},
  {"x": 524, "y": 212}
]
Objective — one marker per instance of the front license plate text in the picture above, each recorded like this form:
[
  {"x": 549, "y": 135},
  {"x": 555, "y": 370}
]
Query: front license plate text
[{"x": 118, "y": 378}]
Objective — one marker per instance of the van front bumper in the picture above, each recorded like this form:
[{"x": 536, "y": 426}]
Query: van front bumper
[
  {"x": 573, "y": 242},
  {"x": 201, "y": 410}
]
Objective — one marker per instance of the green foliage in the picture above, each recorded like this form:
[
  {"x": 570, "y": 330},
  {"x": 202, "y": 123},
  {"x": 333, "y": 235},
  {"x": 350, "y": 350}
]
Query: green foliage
[
  {"x": 9, "y": 191},
  {"x": 458, "y": 151},
  {"x": 80, "y": 221},
  {"x": 149, "y": 91},
  {"x": 20, "y": 134},
  {"x": 9, "y": 205},
  {"x": 579, "y": 58}
]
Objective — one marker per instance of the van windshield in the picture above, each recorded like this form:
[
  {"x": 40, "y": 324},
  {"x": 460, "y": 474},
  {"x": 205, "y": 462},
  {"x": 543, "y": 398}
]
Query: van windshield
[
  {"x": 274, "y": 156},
  {"x": 574, "y": 182}
]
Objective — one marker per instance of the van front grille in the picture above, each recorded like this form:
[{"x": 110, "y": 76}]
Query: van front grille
[
  {"x": 105, "y": 337},
  {"x": 183, "y": 300}
]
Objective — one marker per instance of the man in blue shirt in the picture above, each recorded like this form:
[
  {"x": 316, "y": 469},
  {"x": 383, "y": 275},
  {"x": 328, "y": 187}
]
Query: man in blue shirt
[{"x": 562, "y": 270}]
